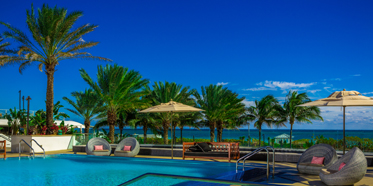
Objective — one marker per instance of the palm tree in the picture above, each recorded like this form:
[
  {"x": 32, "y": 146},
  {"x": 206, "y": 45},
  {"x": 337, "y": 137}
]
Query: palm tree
[
  {"x": 266, "y": 111},
  {"x": 188, "y": 119},
  {"x": 211, "y": 101},
  {"x": 16, "y": 119},
  {"x": 54, "y": 40},
  {"x": 146, "y": 121},
  {"x": 87, "y": 106},
  {"x": 232, "y": 107},
  {"x": 119, "y": 89},
  {"x": 3, "y": 49},
  {"x": 165, "y": 92},
  {"x": 292, "y": 113}
]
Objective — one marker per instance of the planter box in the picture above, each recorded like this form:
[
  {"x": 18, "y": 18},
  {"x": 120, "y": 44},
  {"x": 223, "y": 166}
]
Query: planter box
[{"x": 48, "y": 142}]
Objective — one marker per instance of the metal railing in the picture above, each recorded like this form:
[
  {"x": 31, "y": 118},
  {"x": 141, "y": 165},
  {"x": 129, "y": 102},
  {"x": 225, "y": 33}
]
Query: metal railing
[
  {"x": 247, "y": 156},
  {"x": 37, "y": 145},
  {"x": 20, "y": 150},
  {"x": 186, "y": 178}
]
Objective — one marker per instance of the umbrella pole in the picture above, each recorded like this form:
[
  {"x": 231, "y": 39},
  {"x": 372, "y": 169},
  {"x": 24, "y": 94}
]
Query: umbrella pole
[
  {"x": 172, "y": 140},
  {"x": 344, "y": 132}
]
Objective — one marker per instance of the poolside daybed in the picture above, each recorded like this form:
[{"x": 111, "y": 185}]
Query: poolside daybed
[
  {"x": 219, "y": 150},
  {"x": 354, "y": 169},
  {"x": 90, "y": 147},
  {"x": 132, "y": 152},
  {"x": 321, "y": 150}
]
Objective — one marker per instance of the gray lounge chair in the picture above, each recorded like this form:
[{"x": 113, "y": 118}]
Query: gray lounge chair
[
  {"x": 130, "y": 141},
  {"x": 90, "y": 147},
  {"x": 321, "y": 150},
  {"x": 351, "y": 173}
]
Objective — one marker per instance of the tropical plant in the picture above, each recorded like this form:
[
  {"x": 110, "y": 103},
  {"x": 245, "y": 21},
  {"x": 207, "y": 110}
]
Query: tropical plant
[
  {"x": 212, "y": 101},
  {"x": 188, "y": 119},
  {"x": 4, "y": 50},
  {"x": 164, "y": 93},
  {"x": 119, "y": 89},
  {"x": 292, "y": 113},
  {"x": 88, "y": 106},
  {"x": 231, "y": 108},
  {"x": 146, "y": 121},
  {"x": 266, "y": 111},
  {"x": 16, "y": 119},
  {"x": 54, "y": 40}
]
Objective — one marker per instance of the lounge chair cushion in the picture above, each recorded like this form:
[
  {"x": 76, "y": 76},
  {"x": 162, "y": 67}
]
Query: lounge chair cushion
[
  {"x": 100, "y": 150},
  {"x": 127, "y": 148},
  {"x": 311, "y": 164},
  {"x": 208, "y": 154},
  {"x": 318, "y": 160},
  {"x": 123, "y": 151},
  {"x": 99, "y": 147},
  {"x": 195, "y": 148},
  {"x": 2, "y": 150},
  {"x": 326, "y": 172},
  {"x": 341, "y": 166},
  {"x": 204, "y": 146}
]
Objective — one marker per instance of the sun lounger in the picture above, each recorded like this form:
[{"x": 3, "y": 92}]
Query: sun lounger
[
  {"x": 321, "y": 150},
  {"x": 90, "y": 147},
  {"x": 133, "y": 147},
  {"x": 354, "y": 169}
]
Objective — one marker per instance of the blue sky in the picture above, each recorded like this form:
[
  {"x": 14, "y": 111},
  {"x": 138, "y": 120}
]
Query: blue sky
[{"x": 253, "y": 47}]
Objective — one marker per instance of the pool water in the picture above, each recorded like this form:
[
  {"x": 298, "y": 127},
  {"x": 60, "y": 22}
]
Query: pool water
[{"x": 92, "y": 170}]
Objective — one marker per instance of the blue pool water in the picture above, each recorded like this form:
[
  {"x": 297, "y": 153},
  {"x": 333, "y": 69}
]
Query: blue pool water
[{"x": 90, "y": 170}]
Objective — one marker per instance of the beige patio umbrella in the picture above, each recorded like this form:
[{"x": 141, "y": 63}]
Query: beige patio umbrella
[
  {"x": 342, "y": 99},
  {"x": 171, "y": 107}
]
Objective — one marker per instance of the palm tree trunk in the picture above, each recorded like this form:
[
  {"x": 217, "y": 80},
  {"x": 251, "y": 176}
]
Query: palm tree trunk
[
  {"x": 87, "y": 125},
  {"x": 145, "y": 128},
  {"x": 181, "y": 134},
  {"x": 291, "y": 133},
  {"x": 50, "y": 95},
  {"x": 212, "y": 131},
  {"x": 165, "y": 132},
  {"x": 121, "y": 129},
  {"x": 111, "y": 119},
  {"x": 260, "y": 134},
  {"x": 219, "y": 126}
]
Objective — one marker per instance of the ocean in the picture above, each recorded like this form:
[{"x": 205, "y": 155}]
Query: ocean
[{"x": 254, "y": 133}]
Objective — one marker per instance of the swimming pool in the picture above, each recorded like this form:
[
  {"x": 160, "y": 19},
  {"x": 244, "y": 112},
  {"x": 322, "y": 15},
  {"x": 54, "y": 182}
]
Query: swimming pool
[{"x": 68, "y": 169}]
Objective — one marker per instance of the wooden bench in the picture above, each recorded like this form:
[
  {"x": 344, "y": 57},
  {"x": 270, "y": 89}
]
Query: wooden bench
[
  {"x": 219, "y": 150},
  {"x": 3, "y": 148}
]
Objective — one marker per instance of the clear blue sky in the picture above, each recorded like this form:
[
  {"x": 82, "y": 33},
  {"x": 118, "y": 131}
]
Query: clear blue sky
[{"x": 253, "y": 47}]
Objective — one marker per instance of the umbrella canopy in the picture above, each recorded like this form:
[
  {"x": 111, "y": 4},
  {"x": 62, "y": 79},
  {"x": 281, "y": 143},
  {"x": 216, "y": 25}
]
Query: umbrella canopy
[
  {"x": 342, "y": 99},
  {"x": 171, "y": 106}
]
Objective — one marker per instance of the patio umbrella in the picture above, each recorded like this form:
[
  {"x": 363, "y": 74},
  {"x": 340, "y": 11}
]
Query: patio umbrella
[
  {"x": 171, "y": 107},
  {"x": 342, "y": 99}
]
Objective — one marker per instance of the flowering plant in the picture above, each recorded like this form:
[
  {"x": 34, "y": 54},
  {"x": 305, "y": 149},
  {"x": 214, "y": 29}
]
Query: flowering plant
[
  {"x": 43, "y": 130},
  {"x": 54, "y": 128},
  {"x": 64, "y": 129}
]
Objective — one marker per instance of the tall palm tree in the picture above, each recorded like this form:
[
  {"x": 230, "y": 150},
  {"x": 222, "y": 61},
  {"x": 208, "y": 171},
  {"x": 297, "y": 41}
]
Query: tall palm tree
[
  {"x": 292, "y": 113},
  {"x": 165, "y": 92},
  {"x": 232, "y": 108},
  {"x": 53, "y": 41},
  {"x": 119, "y": 89},
  {"x": 211, "y": 101},
  {"x": 87, "y": 106},
  {"x": 266, "y": 111}
]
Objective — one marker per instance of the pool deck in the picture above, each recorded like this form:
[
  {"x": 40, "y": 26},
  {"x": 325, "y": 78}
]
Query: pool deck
[{"x": 286, "y": 173}]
